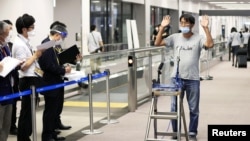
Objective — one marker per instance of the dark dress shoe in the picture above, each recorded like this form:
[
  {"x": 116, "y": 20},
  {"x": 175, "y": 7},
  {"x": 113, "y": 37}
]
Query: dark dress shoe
[
  {"x": 13, "y": 131},
  {"x": 63, "y": 127},
  {"x": 57, "y": 132},
  {"x": 59, "y": 138}
]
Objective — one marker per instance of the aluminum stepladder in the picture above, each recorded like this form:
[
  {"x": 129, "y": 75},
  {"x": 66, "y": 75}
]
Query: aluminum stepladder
[
  {"x": 167, "y": 90},
  {"x": 154, "y": 115}
]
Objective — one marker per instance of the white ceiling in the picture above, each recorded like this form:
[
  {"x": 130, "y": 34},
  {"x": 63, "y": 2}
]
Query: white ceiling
[{"x": 230, "y": 4}]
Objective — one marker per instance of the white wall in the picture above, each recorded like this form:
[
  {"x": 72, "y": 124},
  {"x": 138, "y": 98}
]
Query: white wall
[
  {"x": 76, "y": 15},
  {"x": 41, "y": 10},
  {"x": 69, "y": 12}
]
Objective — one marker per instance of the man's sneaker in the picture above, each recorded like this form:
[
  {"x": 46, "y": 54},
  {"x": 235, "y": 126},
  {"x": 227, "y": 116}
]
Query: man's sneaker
[{"x": 192, "y": 138}]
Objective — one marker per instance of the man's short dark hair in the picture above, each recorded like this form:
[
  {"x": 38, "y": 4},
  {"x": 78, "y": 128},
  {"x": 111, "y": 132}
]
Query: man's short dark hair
[
  {"x": 188, "y": 18},
  {"x": 92, "y": 27},
  {"x": 24, "y": 21},
  {"x": 233, "y": 29},
  {"x": 57, "y": 23}
]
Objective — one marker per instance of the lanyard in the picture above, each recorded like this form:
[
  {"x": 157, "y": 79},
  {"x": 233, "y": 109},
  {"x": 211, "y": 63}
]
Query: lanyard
[
  {"x": 26, "y": 42},
  {"x": 56, "y": 56}
]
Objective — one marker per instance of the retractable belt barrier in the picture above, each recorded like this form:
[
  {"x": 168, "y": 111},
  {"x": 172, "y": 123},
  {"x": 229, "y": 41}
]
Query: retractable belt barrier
[
  {"x": 51, "y": 87},
  {"x": 33, "y": 90}
]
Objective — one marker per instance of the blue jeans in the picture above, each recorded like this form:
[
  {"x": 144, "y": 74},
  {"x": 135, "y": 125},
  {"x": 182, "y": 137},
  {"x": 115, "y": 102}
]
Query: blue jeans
[{"x": 192, "y": 90}]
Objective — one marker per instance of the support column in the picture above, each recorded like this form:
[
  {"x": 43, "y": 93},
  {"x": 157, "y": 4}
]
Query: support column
[
  {"x": 147, "y": 22},
  {"x": 85, "y": 25}
]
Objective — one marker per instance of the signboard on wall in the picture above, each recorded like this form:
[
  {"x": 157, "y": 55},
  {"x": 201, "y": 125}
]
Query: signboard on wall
[
  {"x": 132, "y": 34},
  {"x": 129, "y": 34},
  {"x": 135, "y": 34}
]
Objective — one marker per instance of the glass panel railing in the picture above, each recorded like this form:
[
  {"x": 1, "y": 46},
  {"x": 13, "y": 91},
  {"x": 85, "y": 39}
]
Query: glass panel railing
[{"x": 117, "y": 63}]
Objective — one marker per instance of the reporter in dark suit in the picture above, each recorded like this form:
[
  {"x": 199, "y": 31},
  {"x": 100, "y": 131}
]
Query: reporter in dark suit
[
  {"x": 59, "y": 124},
  {"x": 5, "y": 84},
  {"x": 13, "y": 127},
  {"x": 53, "y": 74}
]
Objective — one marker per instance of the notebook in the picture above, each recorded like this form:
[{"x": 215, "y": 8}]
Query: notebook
[
  {"x": 9, "y": 64},
  {"x": 68, "y": 55}
]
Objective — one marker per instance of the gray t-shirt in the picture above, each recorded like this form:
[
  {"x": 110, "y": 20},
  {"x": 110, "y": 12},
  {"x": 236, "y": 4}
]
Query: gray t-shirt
[{"x": 189, "y": 50}]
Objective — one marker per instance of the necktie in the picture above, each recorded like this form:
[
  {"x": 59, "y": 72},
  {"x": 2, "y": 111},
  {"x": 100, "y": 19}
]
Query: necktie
[
  {"x": 3, "y": 52},
  {"x": 7, "y": 50}
]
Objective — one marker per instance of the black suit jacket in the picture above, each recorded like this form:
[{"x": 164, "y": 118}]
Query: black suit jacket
[
  {"x": 5, "y": 82},
  {"x": 53, "y": 71}
]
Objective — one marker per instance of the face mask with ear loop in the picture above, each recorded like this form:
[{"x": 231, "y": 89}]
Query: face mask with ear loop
[
  {"x": 5, "y": 42},
  {"x": 63, "y": 35},
  {"x": 59, "y": 41},
  {"x": 31, "y": 33},
  {"x": 7, "y": 39},
  {"x": 185, "y": 29}
]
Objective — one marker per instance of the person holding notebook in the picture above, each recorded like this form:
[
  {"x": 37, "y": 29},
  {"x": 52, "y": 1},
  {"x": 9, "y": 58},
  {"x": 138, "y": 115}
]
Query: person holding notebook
[
  {"x": 53, "y": 74},
  {"x": 5, "y": 84},
  {"x": 13, "y": 127}
]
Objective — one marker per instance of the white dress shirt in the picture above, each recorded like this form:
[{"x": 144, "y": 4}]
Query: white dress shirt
[{"x": 22, "y": 51}]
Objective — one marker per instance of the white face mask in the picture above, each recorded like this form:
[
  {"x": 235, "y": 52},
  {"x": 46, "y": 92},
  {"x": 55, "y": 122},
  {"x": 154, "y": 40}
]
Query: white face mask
[
  {"x": 5, "y": 42},
  {"x": 31, "y": 33},
  {"x": 59, "y": 42},
  {"x": 11, "y": 34},
  {"x": 185, "y": 29},
  {"x": 7, "y": 39}
]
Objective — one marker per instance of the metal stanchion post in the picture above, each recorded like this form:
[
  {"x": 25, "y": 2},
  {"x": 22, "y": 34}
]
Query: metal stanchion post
[
  {"x": 33, "y": 113},
  {"x": 91, "y": 131},
  {"x": 150, "y": 73},
  {"x": 132, "y": 82},
  {"x": 108, "y": 121}
]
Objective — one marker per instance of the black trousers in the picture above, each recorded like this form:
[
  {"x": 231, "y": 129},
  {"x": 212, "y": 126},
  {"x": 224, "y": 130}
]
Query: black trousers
[
  {"x": 25, "y": 119},
  {"x": 60, "y": 99},
  {"x": 234, "y": 53},
  {"x": 49, "y": 117}
]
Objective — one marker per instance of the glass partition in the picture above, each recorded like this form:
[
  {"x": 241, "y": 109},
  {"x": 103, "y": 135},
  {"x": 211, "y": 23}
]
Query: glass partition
[
  {"x": 117, "y": 63},
  {"x": 110, "y": 16}
]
